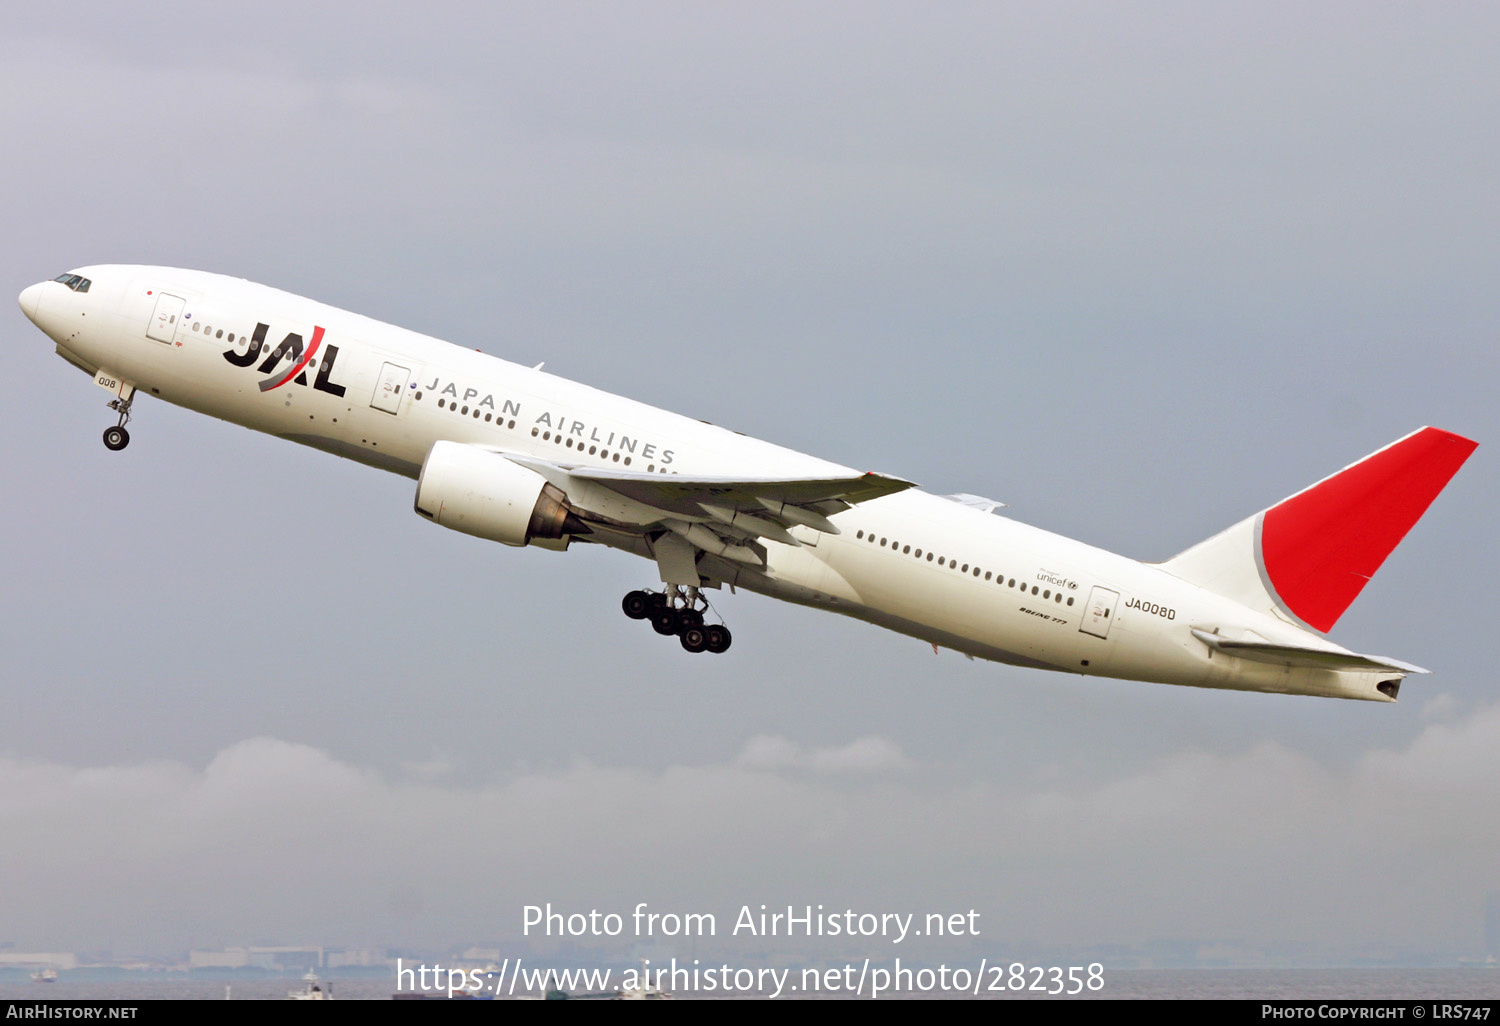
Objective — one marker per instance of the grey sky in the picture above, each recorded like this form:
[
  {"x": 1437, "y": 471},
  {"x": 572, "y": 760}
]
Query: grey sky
[{"x": 1138, "y": 271}]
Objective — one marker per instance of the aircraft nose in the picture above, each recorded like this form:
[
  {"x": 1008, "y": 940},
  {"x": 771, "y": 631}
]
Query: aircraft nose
[{"x": 31, "y": 299}]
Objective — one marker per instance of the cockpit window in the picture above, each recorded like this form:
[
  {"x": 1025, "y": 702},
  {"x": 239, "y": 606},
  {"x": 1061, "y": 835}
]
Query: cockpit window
[{"x": 76, "y": 282}]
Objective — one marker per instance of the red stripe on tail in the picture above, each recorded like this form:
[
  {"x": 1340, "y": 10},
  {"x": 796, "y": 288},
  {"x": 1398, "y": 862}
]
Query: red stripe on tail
[{"x": 1320, "y": 546}]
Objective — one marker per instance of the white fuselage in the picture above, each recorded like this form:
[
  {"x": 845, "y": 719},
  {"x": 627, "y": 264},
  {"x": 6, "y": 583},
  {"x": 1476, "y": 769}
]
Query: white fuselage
[{"x": 983, "y": 584}]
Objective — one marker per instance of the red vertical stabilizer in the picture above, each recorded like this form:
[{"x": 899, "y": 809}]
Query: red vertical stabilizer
[{"x": 1319, "y": 547}]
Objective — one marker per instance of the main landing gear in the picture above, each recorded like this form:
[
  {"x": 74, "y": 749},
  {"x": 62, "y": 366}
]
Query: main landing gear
[
  {"x": 676, "y": 612},
  {"x": 117, "y": 438}
]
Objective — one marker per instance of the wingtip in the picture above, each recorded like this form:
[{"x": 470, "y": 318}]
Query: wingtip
[{"x": 890, "y": 479}]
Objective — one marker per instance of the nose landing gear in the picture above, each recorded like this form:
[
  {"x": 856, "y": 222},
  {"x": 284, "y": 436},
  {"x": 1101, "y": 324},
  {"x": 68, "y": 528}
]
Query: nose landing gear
[
  {"x": 117, "y": 438},
  {"x": 677, "y": 612}
]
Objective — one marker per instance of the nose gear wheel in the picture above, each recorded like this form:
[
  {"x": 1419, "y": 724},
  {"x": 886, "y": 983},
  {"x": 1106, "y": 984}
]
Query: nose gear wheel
[{"x": 117, "y": 438}]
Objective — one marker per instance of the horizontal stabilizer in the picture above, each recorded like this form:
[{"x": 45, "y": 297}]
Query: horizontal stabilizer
[{"x": 1331, "y": 658}]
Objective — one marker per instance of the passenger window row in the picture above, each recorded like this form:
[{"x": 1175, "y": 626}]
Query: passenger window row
[
  {"x": 208, "y": 330},
  {"x": 952, "y": 564},
  {"x": 464, "y": 410},
  {"x": 557, "y": 438},
  {"x": 489, "y": 417}
]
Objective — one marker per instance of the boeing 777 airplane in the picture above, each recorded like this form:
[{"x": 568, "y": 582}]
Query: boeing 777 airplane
[{"x": 519, "y": 456}]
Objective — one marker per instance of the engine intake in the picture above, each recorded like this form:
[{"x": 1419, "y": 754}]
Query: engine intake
[{"x": 475, "y": 491}]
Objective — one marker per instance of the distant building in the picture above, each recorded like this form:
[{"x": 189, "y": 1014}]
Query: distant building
[
  {"x": 337, "y": 957},
  {"x": 39, "y": 959},
  {"x": 229, "y": 958},
  {"x": 259, "y": 958}
]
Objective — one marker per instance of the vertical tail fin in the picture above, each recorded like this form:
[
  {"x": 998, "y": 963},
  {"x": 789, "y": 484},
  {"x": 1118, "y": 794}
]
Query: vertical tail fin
[{"x": 1308, "y": 557}]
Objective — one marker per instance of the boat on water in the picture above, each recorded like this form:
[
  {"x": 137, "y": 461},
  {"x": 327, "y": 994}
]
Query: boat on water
[
  {"x": 313, "y": 989},
  {"x": 47, "y": 975}
]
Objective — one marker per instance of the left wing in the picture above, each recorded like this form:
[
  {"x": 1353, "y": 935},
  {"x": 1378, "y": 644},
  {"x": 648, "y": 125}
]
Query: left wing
[{"x": 723, "y": 516}]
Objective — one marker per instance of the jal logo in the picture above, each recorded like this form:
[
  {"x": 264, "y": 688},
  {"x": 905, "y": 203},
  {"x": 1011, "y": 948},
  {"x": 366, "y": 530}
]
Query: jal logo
[{"x": 290, "y": 347}]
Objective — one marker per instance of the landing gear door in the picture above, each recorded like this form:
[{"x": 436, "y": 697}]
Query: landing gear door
[
  {"x": 1100, "y": 612},
  {"x": 390, "y": 388},
  {"x": 165, "y": 318}
]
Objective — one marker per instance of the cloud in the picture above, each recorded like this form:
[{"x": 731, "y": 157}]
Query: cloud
[
  {"x": 1442, "y": 706},
  {"x": 872, "y": 754},
  {"x": 439, "y": 765},
  {"x": 280, "y": 840}
]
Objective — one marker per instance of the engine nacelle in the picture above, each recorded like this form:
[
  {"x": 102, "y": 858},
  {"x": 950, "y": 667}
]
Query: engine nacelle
[{"x": 468, "y": 489}]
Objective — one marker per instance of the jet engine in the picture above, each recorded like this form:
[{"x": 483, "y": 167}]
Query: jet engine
[{"x": 475, "y": 491}]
